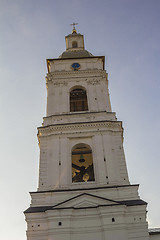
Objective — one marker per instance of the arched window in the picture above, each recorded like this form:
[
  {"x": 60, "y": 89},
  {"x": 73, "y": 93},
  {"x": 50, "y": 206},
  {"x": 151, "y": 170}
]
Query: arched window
[
  {"x": 82, "y": 164},
  {"x": 78, "y": 100},
  {"x": 74, "y": 44}
]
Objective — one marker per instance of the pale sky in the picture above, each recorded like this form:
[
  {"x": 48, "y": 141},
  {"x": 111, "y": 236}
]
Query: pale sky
[{"x": 127, "y": 33}]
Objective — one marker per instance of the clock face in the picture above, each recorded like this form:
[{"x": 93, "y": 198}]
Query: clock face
[{"x": 75, "y": 66}]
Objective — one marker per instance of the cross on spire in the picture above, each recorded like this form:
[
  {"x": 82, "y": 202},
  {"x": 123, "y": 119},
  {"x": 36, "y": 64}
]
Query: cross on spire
[{"x": 73, "y": 25}]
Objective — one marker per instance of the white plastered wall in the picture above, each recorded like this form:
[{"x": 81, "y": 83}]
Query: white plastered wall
[{"x": 62, "y": 78}]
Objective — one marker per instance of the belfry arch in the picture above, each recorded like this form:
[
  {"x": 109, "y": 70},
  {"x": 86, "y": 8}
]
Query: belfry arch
[{"x": 82, "y": 163}]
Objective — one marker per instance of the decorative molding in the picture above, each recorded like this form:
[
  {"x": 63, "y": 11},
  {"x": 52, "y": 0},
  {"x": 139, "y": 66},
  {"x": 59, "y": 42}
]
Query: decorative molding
[
  {"x": 93, "y": 82},
  {"x": 79, "y": 117},
  {"x": 75, "y": 74},
  {"x": 78, "y": 127},
  {"x": 58, "y": 83},
  {"x": 50, "y": 77}
]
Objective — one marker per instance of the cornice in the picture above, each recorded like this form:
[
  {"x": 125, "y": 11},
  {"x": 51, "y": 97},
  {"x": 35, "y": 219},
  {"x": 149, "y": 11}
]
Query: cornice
[
  {"x": 70, "y": 128},
  {"x": 75, "y": 74},
  {"x": 64, "y": 82},
  {"x": 78, "y": 113},
  {"x": 79, "y": 117},
  {"x": 88, "y": 188}
]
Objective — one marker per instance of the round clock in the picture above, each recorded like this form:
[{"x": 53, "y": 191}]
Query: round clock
[{"x": 75, "y": 66}]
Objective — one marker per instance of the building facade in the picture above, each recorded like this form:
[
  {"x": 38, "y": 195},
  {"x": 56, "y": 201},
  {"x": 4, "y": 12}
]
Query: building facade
[{"x": 84, "y": 191}]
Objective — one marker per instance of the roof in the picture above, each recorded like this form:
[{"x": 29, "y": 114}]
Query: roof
[
  {"x": 74, "y": 34},
  {"x": 75, "y": 54},
  {"x": 154, "y": 231},
  {"x": 89, "y": 188},
  {"x": 104, "y": 203}
]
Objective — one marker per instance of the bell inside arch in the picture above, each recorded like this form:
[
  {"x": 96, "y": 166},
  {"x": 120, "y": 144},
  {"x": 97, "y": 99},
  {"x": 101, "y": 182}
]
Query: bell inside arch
[{"x": 81, "y": 159}]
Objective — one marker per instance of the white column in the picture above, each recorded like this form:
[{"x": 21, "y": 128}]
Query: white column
[
  {"x": 64, "y": 99},
  {"x": 56, "y": 99},
  {"x": 92, "y": 99},
  {"x": 100, "y": 101},
  {"x": 64, "y": 172},
  {"x": 99, "y": 158},
  {"x": 50, "y": 99},
  {"x": 53, "y": 162},
  {"x": 110, "y": 159},
  {"x": 43, "y": 163},
  {"x": 120, "y": 159},
  {"x": 106, "y": 98}
]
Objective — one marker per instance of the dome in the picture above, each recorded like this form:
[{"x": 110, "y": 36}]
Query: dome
[{"x": 76, "y": 54}]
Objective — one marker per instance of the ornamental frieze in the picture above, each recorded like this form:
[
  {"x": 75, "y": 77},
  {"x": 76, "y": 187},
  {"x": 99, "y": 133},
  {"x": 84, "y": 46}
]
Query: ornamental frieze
[
  {"x": 58, "y": 83},
  {"x": 93, "y": 81},
  {"x": 62, "y": 74},
  {"x": 69, "y": 128},
  {"x": 50, "y": 77}
]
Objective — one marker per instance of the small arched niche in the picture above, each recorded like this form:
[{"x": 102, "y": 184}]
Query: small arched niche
[
  {"x": 78, "y": 100},
  {"x": 82, "y": 163},
  {"x": 74, "y": 44}
]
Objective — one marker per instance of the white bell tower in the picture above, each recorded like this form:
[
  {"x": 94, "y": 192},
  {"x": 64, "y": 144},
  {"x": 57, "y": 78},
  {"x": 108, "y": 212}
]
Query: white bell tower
[{"x": 84, "y": 191}]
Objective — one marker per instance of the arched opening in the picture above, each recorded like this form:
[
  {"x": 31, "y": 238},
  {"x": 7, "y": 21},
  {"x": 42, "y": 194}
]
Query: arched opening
[
  {"x": 74, "y": 44},
  {"x": 82, "y": 164},
  {"x": 78, "y": 100}
]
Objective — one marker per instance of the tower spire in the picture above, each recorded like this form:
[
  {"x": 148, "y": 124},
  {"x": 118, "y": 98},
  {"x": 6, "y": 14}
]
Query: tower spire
[{"x": 73, "y": 25}]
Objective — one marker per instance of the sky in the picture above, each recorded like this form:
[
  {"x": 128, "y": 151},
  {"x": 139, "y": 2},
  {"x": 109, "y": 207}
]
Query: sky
[{"x": 127, "y": 33}]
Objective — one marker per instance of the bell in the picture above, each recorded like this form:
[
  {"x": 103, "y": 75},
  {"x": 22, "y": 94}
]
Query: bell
[{"x": 81, "y": 159}]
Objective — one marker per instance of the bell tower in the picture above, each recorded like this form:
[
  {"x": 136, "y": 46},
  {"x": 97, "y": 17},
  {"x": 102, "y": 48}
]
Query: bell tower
[{"x": 84, "y": 191}]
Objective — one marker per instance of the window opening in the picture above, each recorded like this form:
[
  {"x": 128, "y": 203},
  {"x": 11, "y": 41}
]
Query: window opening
[
  {"x": 82, "y": 164},
  {"x": 78, "y": 100},
  {"x": 74, "y": 44}
]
